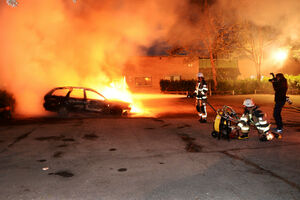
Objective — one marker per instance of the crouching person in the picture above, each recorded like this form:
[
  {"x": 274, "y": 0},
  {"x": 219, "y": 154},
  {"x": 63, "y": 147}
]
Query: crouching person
[
  {"x": 201, "y": 98},
  {"x": 254, "y": 116}
]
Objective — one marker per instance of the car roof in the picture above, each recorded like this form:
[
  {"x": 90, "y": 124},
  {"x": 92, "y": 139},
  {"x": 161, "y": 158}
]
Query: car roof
[{"x": 75, "y": 87}]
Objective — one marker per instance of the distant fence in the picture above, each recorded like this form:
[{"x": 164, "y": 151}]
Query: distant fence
[
  {"x": 229, "y": 87},
  {"x": 231, "y": 92}
]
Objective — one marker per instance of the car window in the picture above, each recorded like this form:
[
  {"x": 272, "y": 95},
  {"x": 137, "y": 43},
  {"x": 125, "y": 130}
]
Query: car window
[
  {"x": 93, "y": 95},
  {"x": 77, "y": 93},
  {"x": 60, "y": 92}
]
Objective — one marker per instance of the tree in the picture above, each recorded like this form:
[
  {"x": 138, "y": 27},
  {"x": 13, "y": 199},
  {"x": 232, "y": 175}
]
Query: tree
[
  {"x": 212, "y": 35},
  {"x": 253, "y": 41}
]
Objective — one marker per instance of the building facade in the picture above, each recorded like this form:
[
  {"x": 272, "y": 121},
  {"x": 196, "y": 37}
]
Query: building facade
[{"x": 144, "y": 73}]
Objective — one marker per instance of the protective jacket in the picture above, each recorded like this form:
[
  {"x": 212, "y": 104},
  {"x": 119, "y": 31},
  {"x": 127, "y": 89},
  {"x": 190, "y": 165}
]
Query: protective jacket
[
  {"x": 201, "y": 90},
  {"x": 253, "y": 116}
]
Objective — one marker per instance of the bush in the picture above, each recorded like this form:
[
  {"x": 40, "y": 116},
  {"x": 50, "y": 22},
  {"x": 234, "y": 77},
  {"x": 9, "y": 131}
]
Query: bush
[
  {"x": 246, "y": 86},
  {"x": 7, "y": 99},
  {"x": 293, "y": 81},
  {"x": 182, "y": 85}
]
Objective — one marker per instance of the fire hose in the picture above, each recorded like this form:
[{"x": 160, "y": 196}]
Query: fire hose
[
  {"x": 290, "y": 103},
  {"x": 293, "y": 107},
  {"x": 226, "y": 117},
  {"x": 211, "y": 106}
]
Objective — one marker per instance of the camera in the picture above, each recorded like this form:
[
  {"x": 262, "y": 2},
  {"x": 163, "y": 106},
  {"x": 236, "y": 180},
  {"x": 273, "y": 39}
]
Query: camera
[{"x": 272, "y": 79}]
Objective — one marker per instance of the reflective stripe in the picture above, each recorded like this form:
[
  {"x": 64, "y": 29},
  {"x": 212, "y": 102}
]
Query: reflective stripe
[
  {"x": 244, "y": 119},
  {"x": 263, "y": 122},
  {"x": 243, "y": 127},
  {"x": 205, "y": 113},
  {"x": 264, "y": 129}
]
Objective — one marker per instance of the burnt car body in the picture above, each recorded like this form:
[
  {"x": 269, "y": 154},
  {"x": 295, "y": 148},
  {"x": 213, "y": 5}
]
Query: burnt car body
[
  {"x": 5, "y": 111},
  {"x": 64, "y": 100}
]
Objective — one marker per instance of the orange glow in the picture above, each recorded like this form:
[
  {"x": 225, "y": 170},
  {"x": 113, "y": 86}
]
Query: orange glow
[
  {"x": 118, "y": 90},
  {"x": 280, "y": 55},
  {"x": 47, "y": 44}
]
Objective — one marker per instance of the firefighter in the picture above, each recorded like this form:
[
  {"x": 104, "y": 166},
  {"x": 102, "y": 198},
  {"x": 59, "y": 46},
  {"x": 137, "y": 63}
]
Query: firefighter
[
  {"x": 253, "y": 116},
  {"x": 201, "y": 98}
]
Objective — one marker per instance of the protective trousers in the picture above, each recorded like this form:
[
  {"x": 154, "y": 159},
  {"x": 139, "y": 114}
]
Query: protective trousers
[
  {"x": 277, "y": 114},
  {"x": 201, "y": 108}
]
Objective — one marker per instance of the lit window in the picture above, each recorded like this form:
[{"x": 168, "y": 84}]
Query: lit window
[
  {"x": 77, "y": 93},
  {"x": 93, "y": 95},
  {"x": 143, "y": 81},
  {"x": 60, "y": 92}
]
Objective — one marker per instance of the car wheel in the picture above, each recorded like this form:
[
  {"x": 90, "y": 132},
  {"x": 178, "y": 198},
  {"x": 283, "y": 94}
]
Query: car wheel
[
  {"x": 63, "y": 112},
  {"x": 117, "y": 111},
  {"x": 214, "y": 134}
]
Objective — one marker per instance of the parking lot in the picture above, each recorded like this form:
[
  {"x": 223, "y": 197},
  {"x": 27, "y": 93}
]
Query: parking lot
[{"x": 166, "y": 154}]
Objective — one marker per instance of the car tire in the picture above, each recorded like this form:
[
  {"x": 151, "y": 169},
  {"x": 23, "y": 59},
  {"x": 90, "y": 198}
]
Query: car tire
[
  {"x": 214, "y": 134},
  {"x": 63, "y": 112},
  {"x": 117, "y": 111}
]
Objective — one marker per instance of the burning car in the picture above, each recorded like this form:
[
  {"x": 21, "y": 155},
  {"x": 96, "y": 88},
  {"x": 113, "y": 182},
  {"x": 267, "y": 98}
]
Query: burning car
[
  {"x": 5, "y": 111},
  {"x": 64, "y": 100},
  {"x": 7, "y": 103}
]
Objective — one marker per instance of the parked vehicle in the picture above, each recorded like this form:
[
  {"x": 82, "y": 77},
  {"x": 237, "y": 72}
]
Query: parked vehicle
[
  {"x": 7, "y": 104},
  {"x": 5, "y": 111},
  {"x": 64, "y": 100}
]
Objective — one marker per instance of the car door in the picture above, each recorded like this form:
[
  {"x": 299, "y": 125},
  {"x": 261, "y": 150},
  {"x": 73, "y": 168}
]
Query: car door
[
  {"x": 76, "y": 101},
  {"x": 95, "y": 102}
]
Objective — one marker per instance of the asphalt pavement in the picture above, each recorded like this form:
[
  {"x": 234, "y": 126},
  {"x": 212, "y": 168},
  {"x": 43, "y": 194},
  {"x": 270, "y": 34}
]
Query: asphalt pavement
[{"x": 168, "y": 155}]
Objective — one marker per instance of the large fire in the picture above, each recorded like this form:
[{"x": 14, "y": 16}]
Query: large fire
[{"x": 118, "y": 90}]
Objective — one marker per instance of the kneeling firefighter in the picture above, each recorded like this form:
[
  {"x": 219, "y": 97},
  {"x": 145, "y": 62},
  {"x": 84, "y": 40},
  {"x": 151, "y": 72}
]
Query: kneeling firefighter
[
  {"x": 253, "y": 116},
  {"x": 201, "y": 98}
]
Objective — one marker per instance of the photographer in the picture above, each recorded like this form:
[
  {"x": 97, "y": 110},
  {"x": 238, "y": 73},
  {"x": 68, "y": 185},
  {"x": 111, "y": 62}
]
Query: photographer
[{"x": 280, "y": 87}]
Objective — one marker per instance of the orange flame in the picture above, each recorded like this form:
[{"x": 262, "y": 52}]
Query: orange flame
[{"x": 118, "y": 90}]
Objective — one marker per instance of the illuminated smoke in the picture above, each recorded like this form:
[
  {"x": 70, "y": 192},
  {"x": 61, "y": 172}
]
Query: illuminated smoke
[
  {"x": 52, "y": 43},
  {"x": 49, "y": 43},
  {"x": 282, "y": 16}
]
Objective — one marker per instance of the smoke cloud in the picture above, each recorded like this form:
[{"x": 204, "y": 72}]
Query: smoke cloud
[
  {"x": 282, "y": 16},
  {"x": 52, "y": 43}
]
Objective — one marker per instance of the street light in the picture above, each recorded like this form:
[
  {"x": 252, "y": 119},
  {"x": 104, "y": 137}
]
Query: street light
[{"x": 280, "y": 55}]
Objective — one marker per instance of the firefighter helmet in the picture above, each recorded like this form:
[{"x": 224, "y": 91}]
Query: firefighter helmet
[
  {"x": 248, "y": 103},
  {"x": 200, "y": 75}
]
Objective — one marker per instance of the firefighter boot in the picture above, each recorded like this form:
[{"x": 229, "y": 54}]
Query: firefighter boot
[
  {"x": 243, "y": 137},
  {"x": 277, "y": 135},
  {"x": 203, "y": 120}
]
